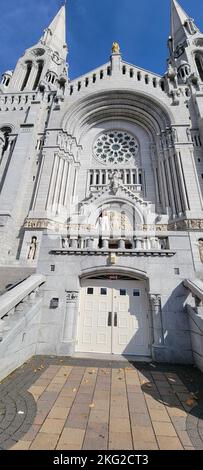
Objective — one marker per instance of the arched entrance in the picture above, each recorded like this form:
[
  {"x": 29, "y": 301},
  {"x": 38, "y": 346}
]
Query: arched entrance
[{"x": 113, "y": 314}]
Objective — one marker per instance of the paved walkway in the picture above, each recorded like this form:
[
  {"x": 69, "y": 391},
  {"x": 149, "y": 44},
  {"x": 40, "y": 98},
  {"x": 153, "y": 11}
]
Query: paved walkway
[{"x": 72, "y": 404}]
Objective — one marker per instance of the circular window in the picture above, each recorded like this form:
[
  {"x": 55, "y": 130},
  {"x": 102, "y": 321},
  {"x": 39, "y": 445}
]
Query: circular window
[{"x": 116, "y": 147}]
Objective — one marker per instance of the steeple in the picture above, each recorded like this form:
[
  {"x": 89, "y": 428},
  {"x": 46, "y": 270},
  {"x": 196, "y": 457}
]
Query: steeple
[
  {"x": 43, "y": 66},
  {"x": 55, "y": 35},
  {"x": 182, "y": 26}
]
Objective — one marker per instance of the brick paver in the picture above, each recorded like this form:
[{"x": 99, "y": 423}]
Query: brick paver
[{"x": 54, "y": 403}]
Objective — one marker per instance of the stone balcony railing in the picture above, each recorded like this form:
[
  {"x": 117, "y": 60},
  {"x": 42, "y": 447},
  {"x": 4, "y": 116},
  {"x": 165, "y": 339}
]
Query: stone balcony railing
[
  {"x": 134, "y": 188},
  {"x": 136, "y": 246}
]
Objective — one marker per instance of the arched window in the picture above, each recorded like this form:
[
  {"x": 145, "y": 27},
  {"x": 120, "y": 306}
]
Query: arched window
[
  {"x": 39, "y": 73},
  {"x": 199, "y": 64},
  {"x": 27, "y": 75}
]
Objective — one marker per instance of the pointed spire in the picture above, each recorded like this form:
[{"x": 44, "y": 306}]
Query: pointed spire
[
  {"x": 182, "y": 26},
  {"x": 178, "y": 17},
  {"x": 55, "y": 35}
]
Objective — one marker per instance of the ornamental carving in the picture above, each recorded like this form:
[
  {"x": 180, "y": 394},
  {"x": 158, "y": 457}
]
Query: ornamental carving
[
  {"x": 156, "y": 303},
  {"x": 72, "y": 296},
  {"x": 190, "y": 224}
]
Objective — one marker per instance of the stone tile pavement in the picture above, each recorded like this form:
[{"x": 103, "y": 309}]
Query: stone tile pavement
[{"x": 73, "y": 404}]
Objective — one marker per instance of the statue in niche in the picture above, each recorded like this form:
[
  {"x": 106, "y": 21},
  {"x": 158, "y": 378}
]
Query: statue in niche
[
  {"x": 174, "y": 134},
  {"x": 115, "y": 180},
  {"x": 201, "y": 249},
  {"x": 32, "y": 249}
]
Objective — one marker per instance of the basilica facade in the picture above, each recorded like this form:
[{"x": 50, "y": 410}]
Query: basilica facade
[{"x": 101, "y": 182}]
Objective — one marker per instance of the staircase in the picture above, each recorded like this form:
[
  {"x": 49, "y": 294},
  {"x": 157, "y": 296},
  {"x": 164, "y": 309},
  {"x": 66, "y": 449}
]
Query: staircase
[
  {"x": 195, "y": 313},
  {"x": 20, "y": 310}
]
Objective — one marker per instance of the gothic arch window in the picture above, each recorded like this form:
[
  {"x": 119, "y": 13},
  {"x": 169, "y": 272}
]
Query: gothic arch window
[
  {"x": 116, "y": 147},
  {"x": 39, "y": 73},
  {"x": 199, "y": 64},
  {"x": 27, "y": 75}
]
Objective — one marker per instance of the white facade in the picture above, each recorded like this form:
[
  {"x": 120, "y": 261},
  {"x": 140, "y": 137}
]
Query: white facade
[{"x": 101, "y": 192}]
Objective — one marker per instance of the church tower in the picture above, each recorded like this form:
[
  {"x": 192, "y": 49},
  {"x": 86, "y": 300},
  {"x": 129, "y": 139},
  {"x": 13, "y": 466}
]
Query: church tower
[
  {"x": 43, "y": 66},
  {"x": 186, "y": 46},
  {"x": 26, "y": 97}
]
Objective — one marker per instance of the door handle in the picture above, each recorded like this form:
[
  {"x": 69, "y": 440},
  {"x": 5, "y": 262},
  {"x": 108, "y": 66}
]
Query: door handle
[
  {"x": 115, "y": 319},
  {"x": 110, "y": 319}
]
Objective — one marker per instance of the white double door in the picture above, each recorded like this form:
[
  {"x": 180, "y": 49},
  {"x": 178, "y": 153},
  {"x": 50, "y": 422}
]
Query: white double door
[{"x": 113, "y": 317}]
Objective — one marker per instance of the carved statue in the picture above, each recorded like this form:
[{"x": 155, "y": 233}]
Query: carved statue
[
  {"x": 32, "y": 248},
  {"x": 115, "y": 48},
  {"x": 201, "y": 249},
  {"x": 104, "y": 224},
  {"x": 2, "y": 143}
]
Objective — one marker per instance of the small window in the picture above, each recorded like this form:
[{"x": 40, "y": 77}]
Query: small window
[
  {"x": 103, "y": 291},
  {"x": 177, "y": 271},
  {"x": 54, "y": 303},
  {"x": 90, "y": 291},
  {"x": 52, "y": 267},
  {"x": 91, "y": 179},
  {"x": 136, "y": 293},
  {"x": 122, "y": 291}
]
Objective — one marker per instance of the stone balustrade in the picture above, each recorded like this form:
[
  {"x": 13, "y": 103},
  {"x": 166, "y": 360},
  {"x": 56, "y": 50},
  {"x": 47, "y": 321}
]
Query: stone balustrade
[
  {"x": 136, "y": 245},
  {"x": 135, "y": 188}
]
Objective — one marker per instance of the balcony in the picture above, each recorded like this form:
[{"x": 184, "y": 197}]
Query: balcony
[{"x": 135, "y": 246}]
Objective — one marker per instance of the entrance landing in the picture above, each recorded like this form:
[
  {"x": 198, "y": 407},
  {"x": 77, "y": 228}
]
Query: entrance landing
[{"x": 74, "y": 403}]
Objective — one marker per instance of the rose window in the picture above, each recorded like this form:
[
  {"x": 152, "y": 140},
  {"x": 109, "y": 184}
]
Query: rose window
[{"x": 116, "y": 147}]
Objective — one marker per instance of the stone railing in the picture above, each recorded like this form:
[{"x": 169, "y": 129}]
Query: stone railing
[
  {"x": 17, "y": 300},
  {"x": 137, "y": 245},
  {"x": 134, "y": 188}
]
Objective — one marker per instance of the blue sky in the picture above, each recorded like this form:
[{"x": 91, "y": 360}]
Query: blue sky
[{"x": 140, "y": 26}]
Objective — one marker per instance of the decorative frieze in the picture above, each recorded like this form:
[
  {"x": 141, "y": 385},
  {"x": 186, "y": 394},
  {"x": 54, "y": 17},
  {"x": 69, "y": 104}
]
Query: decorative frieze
[
  {"x": 183, "y": 225},
  {"x": 187, "y": 224}
]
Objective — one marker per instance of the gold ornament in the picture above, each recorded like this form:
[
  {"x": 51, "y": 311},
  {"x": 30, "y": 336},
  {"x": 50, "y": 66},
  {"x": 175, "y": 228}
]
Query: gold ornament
[{"x": 115, "y": 48}]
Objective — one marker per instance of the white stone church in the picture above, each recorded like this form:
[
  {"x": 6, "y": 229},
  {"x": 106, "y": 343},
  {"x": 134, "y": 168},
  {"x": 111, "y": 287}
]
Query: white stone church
[{"x": 101, "y": 209}]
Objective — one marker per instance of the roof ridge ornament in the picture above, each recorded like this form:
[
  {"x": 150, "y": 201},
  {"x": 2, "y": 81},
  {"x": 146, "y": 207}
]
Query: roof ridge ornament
[{"x": 115, "y": 48}]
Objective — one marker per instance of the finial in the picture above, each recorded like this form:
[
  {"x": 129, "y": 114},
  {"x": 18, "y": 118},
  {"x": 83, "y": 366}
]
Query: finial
[{"x": 115, "y": 48}]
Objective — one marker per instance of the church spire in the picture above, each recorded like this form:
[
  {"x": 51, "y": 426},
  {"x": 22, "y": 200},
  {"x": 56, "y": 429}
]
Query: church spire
[
  {"x": 55, "y": 35},
  {"x": 178, "y": 17},
  {"x": 182, "y": 26}
]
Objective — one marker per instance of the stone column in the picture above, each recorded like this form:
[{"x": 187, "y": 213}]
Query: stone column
[
  {"x": 121, "y": 244},
  {"x": 90, "y": 243},
  {"x": 139, "y": 244},
  {"x": 157, "y": 324},
  {"x": 70, "y": 322},
  {"x": 105, "y": 243}
]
